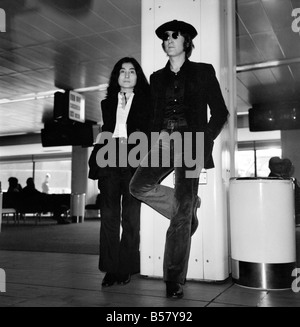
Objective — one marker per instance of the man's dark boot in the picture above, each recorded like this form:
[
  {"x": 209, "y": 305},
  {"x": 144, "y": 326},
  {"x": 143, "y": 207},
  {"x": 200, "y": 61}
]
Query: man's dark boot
[{"x": 174, "y": 290}]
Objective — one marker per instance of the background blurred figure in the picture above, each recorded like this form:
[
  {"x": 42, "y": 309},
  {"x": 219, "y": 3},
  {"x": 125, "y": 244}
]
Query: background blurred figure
[
  {"x": 287, "y": 168},
  {"x": 283, "y": 168},
  {"x": 14, "y": 185},
  {"x": 275, "y": 166},
  {"x": 30, "y": 187},
  {"x": 47, "y": 202},
  {"x": 45, "y": 184}
]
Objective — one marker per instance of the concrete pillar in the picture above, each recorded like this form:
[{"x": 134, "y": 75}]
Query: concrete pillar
[
  {"x": 91, "y": 192},
  {"x": 79, "y": 169},
  {"x": 79, "y": 180},
  {"x": 215, "y": 44}
]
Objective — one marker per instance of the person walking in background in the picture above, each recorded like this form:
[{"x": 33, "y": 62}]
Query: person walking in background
[
  {"x": 180, "y": 93},
  {"x": 125, "y": 110},
  {"x": 45, "y": 184}
]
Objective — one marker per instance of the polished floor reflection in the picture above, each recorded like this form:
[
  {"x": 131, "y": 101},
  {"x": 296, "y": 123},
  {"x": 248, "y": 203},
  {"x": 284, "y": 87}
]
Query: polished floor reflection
[{"x": 65, "y": 279}]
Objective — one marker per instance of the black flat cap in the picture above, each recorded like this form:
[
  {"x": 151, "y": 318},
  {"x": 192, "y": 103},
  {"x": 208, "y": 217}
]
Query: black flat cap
[{"x": 176, "y": 25}]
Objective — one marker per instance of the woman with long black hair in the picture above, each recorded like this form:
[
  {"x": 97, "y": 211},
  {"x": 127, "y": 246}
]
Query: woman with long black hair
[{"x": 125, "y": 110}]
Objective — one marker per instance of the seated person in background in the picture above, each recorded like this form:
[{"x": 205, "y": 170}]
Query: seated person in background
[
  {"x": 15, "y": 188},
  {"x": 283, "y": 168},
  {"x": 44, "y": 201},
  {"x": 30, "y": 187},
  {"x": 14, "y": 185},
  {"x": 287, "y": 168},
  {"x": 275, "y": 166}
]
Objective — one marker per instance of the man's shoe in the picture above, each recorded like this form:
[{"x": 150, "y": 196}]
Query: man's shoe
[
  {"x": 195, "y": 221},
  {"x": 174, "y": 290},
  {"x": 123, "y": 279},
  {"x": 109, "y": 279}
]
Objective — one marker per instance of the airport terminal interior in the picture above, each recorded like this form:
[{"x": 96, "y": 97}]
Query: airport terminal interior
[{"x": 51, "y": 48}]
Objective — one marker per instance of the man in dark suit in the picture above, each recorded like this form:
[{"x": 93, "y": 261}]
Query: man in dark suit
[{"x": 180, "y": 94}]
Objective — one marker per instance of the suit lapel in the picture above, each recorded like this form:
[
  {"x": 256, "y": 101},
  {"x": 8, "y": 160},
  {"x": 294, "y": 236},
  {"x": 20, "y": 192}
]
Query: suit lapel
[{"x": 134, "y": 109}]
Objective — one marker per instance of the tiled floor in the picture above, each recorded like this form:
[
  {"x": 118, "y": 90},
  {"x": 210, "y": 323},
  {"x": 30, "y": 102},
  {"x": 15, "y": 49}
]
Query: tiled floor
[{"x": 43, "y": 279}]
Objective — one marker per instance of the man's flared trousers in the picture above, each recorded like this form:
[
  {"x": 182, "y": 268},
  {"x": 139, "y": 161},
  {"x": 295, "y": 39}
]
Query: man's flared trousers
[{"x": 176, "y": 204}]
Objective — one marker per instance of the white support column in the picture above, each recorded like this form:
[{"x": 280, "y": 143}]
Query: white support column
[
  {"x": 79, "y": 179},
  {"x": 214, "y": 21}
]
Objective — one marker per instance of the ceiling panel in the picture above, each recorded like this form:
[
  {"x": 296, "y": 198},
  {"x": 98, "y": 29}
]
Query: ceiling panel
[
  {"x": 278, "y": 13},
  {"x": 253, "y": 16},
  {"x": 247, "y": 51},
  {"x": 54, "y": 44},
  {"x": 283, "y": 75},
  {"x": 268, "y": 39},
  {"x": 46, "y": 25},
  {"x": 268, "y": 45},
  {"x": 295, "y": 69},
  {"x": 289, "y": 42}
]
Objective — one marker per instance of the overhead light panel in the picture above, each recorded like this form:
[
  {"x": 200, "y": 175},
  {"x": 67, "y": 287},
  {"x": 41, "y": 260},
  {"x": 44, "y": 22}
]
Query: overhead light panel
[{"x": 50, "y": 94}]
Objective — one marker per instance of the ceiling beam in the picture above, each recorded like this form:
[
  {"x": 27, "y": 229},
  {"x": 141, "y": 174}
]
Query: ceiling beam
[
  {"x": 267, "y": 64},
  {"x": 50, "y": 94}
]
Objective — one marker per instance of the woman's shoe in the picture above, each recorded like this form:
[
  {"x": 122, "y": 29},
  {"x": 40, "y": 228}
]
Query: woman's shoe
[
  {"x": 109, "y": 279},
  {"x": 123, "y": 279}
]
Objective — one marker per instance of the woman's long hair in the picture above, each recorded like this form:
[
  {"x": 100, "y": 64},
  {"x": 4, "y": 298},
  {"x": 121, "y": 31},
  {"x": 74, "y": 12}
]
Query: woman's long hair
[{"x": 142, "y": 86}]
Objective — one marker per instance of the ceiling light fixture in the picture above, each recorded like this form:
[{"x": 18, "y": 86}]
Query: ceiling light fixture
[
  {"x": 267, "y": 64},
  {"x": 50, "y": 94}
]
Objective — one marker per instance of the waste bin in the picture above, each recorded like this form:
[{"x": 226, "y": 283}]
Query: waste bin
[
  {"x": 263, "y": 235},
  {"x": 77, "y": 207}
]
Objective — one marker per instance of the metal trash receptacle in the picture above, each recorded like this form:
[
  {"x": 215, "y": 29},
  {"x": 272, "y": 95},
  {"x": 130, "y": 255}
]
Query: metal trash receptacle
[
  {"x": 77, "y": 207},
  {"x": 263, "y": 235}
]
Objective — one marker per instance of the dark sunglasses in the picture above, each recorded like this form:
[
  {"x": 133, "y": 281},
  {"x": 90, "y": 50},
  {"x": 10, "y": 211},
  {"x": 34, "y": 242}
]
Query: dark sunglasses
[{"x": 174, "y": 35}]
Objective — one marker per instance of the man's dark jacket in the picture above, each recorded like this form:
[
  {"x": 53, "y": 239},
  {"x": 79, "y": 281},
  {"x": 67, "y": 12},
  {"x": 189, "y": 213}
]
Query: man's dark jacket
[{"x": 202, "y": 90}]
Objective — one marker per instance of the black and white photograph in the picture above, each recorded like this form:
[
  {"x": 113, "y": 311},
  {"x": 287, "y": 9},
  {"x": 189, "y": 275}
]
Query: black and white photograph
[{"x": 149, "y": 156}]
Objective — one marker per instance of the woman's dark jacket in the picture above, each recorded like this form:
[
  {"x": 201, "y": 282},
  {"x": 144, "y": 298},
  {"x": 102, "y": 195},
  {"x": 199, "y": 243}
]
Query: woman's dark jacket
[
  {"x": 137, "y": 121},
  {"x": 202, "y": 90}
]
